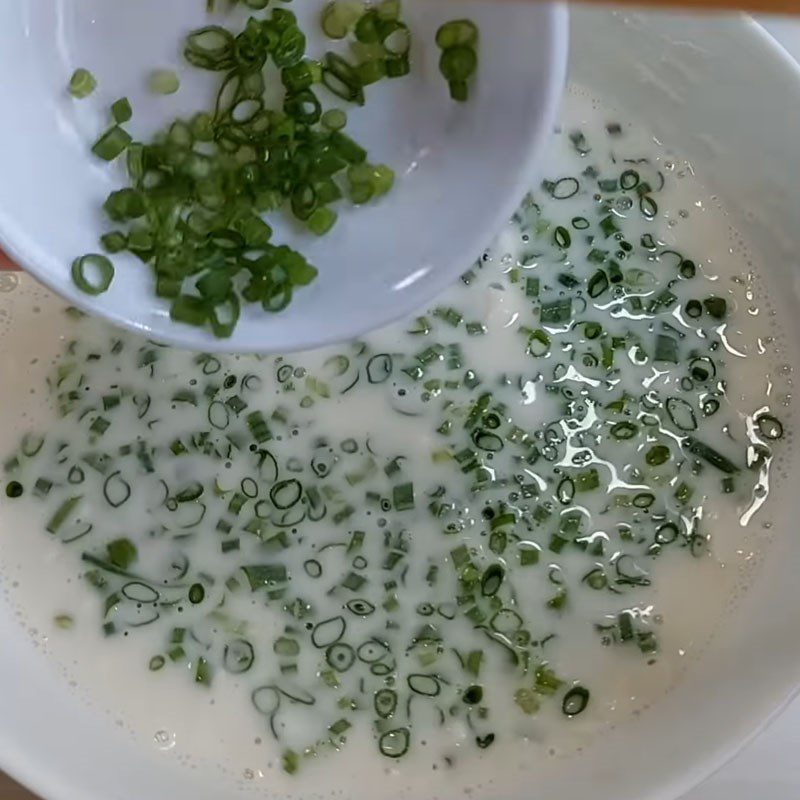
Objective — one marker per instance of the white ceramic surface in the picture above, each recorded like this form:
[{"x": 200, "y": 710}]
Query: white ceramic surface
[
  {"x": 461, "y": 168},
  {"x": 768, "y": 767},
  {"x": 721, "y": 94}
]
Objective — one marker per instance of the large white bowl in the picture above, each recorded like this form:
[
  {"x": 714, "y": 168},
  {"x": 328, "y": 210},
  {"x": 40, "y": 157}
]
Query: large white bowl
[
  {"x": 722, "y": 94},
  {"x": 461, "y": 167}
]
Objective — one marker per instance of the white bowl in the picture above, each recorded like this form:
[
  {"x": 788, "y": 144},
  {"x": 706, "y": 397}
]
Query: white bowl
[
  {"x": 725, "y": 96},
  {"x": 461, "y": 167}
]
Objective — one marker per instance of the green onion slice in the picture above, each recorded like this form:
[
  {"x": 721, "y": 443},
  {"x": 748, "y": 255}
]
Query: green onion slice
[{"x": 92, "y": 273}]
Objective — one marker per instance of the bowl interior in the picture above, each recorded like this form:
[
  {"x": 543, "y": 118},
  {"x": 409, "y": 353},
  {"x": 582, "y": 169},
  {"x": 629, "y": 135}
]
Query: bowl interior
[
  {"x": 461, "y": 167},
  {"x": 723, "y": 96}
]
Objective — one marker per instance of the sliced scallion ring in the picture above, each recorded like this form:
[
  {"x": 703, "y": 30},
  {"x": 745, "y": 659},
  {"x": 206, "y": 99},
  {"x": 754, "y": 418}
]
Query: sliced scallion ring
[
  {"x": 457, "y": 32},
  {"x": 394, "y": 743},
  {"x": 92, "y": 273},
  {"x": 575, "y": 701},
  {"x": 82, "y": 83}
]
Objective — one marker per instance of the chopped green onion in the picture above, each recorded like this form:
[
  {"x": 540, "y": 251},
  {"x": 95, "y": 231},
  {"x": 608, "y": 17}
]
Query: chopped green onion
[
  {"x": 575, "y": 701},
  {"x": 92, "y": 274},
  {"x": 112, "y": 143},
  {"x": 14, "y": 489},
  {"x": 458, "y": 41},
  {"x": 457, "y": 32},
  {"x": 458, "y": 63},
  {"x": 82, "y": 83},
  {"x": 716, "y": 307},
  {"x": 164, "y": 81},
  {"x": 121, "y": 111}
]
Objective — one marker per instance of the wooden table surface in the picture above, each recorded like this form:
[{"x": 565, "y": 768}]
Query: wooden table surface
[{"x": 13, "y": 791}]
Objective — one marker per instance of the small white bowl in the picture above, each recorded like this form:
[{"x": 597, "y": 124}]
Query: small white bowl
[{"x": 461, "y": 167}]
